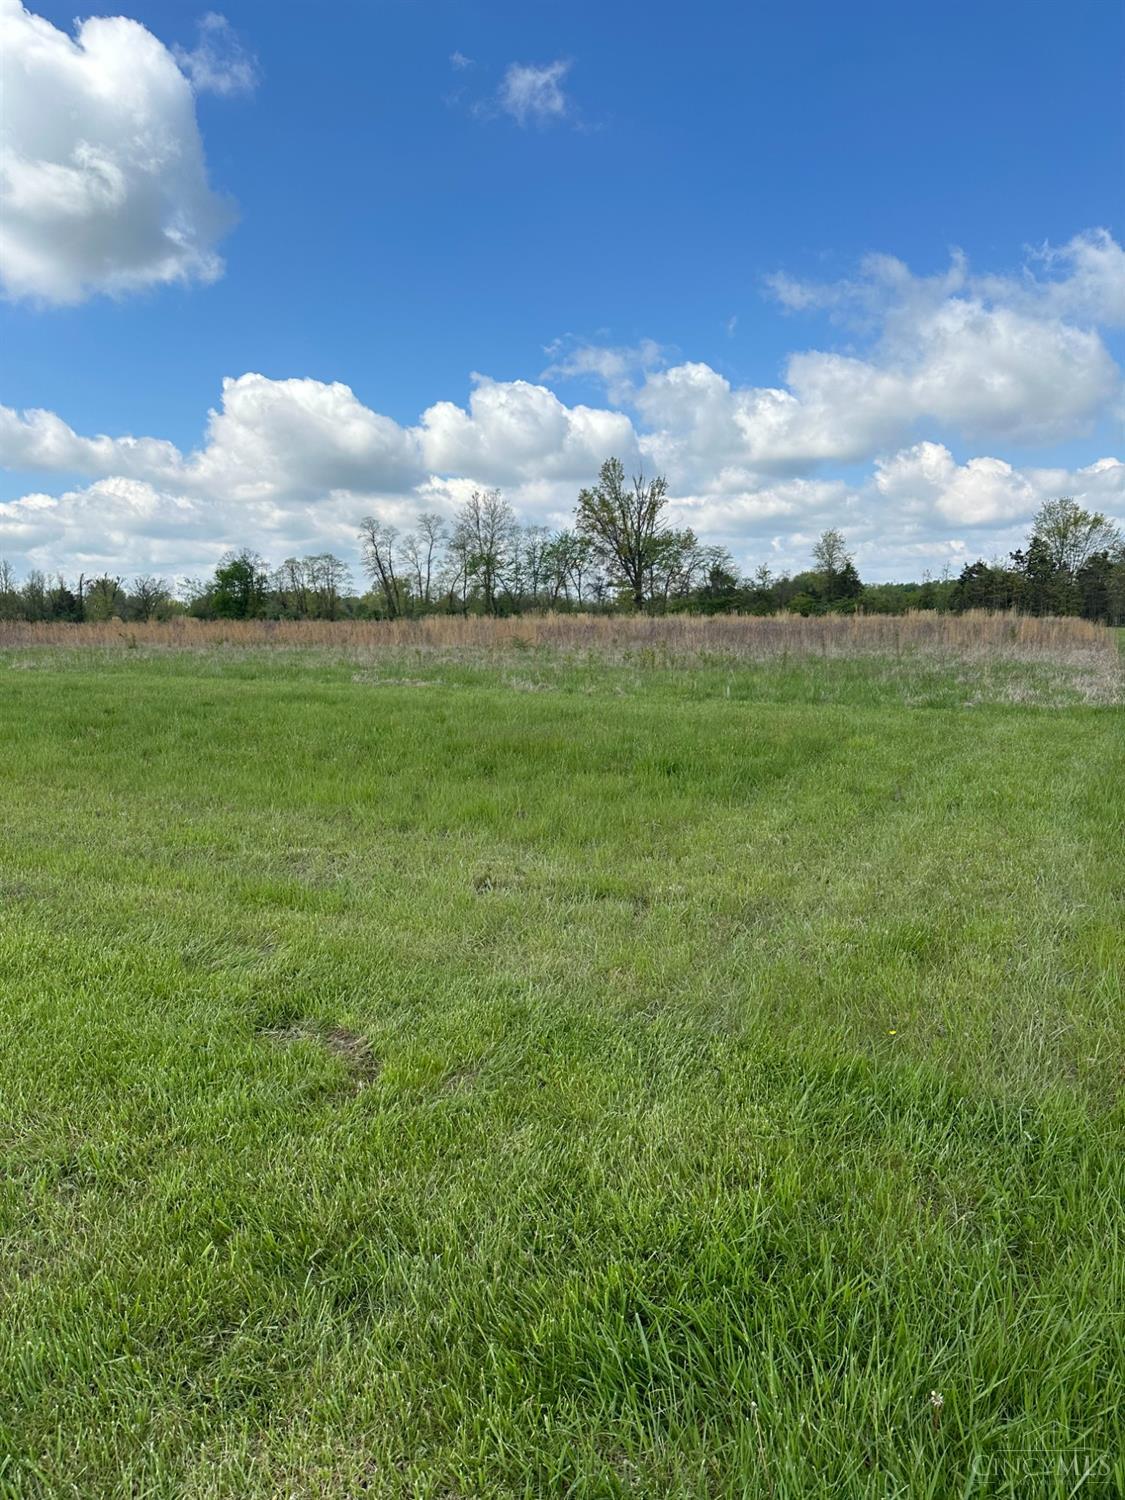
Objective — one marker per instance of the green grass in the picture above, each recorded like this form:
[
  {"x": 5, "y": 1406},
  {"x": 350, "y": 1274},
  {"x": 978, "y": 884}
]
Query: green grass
[{"x": 562, "y": 1078}]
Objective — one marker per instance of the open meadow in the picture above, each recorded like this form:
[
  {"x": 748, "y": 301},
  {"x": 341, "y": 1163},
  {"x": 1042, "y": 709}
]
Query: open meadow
[{"x": 589, "y": 1058}]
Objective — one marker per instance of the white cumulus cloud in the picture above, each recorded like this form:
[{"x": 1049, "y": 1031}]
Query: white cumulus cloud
[
  {"x": 295, "y": 439},
  {"x": 515, "y": 432},
  {"x": 291, "y": 465},
  {"x": 113, "y": 518},
  {"x": 983, "y": 490},
  {"x": 953, "y": 370},
  {"x": 926, "y": 479},
  {"x": 1014, "y": 358},
  {"x": 103, "y": 182}
]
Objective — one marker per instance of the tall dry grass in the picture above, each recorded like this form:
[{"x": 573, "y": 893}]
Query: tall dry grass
[{"x": 677, "y": 635}]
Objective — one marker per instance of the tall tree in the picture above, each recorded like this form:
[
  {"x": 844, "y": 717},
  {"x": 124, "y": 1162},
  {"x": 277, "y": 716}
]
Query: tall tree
[
  {"x": 149, "y": 595},
  {"x": 379, "y": 541},
  {"x": 678, "y": 562},
  {"x": 291, "y": 585},
  {"x": 486, "y": 536},
  {"x": 9, "y": 594},
  {"x": 720, "y": 589},
  {"x": 1071, "y": 535},
  {"x": 422, "y": 548},
  {"x": 536, "y": 562},
  {"x": 567, "y": 567},
  {"x": 238, "y": 591},
  {"x": 1098, "y": 584},
  {"x": 830, "y": 551},
  {"x": 36, "y": 600},
  {"x": 104, "y": 597},
  {"x": 982, "y": 585},
  {"x": 329, "y": 580},
  {"x": 839, "y": 578},
  {"x": 625, "y": 525},
  {"x": 64, "y": 603}
]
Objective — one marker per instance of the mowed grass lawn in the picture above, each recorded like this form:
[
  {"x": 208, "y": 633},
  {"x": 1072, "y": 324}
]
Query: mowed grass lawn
[{"x": 530, "y": 1083}]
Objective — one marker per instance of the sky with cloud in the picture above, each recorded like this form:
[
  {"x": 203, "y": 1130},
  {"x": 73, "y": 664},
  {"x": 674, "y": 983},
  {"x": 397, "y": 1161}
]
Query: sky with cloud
[{"x": 268, "y": 270}]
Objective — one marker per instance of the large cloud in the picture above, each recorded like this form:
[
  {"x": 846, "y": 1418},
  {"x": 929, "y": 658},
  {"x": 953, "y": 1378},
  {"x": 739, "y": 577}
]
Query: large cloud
[
  {"x": 102, "y": 176},
  {"x": 917, "y": 508},
  {"x": 123, "y": 525},
  {"x": 41, "y": 441},
  {"x": 107, "y": 520},
  {"x": 517, "y": 432},
  {"x": 1012, "y": 358},
  {"x": 927, "y": 479},
  {"x": 298, "y": 438},
  {"x": 293, "y": 440},
  {"x": 292, "y": 464}
]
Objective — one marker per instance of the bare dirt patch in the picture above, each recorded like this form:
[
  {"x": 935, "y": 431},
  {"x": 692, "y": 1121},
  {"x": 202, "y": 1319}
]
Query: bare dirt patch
[{"x": 348, "y": 1047}]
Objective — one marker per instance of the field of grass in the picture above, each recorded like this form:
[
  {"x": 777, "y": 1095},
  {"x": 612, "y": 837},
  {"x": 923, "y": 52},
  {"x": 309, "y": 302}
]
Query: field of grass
[{"x": 451, "y": 1073}]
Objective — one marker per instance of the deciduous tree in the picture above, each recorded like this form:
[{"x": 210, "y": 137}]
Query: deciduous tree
[
  {"x": 1071, "y": 535},
  {"x": 379, "y": 542},
  {"x": 625, "y": 523},
  {"x": 238, "y": 591},
  {"x": 486, "y": 538},
  {"x": 149, "y": 595}
]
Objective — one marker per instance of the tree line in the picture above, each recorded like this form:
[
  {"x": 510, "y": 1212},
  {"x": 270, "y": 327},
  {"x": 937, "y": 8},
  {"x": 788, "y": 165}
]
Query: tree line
[{"x": 619, "y": 552}]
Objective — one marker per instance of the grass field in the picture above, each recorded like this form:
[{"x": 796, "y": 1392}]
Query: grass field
[{"x": 442, "y": 1073}]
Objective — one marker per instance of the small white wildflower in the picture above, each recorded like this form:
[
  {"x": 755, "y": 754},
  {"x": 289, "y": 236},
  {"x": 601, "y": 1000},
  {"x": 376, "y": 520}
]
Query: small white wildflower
[{"x": 937, "y": 1401}]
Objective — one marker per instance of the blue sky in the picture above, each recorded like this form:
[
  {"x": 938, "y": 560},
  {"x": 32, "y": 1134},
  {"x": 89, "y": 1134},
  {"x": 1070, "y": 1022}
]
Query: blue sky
[{"x": 405, "y": 221}]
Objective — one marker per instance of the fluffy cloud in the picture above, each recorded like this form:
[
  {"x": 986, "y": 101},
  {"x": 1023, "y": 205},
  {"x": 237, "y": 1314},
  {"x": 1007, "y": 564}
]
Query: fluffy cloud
[
  {"x": 984, "y": 491},
  {"x": 515, "y": 432},
  {"x": 1014, "y": 358},
  {"x": 294, "y": 463},
  {"x": 741, "y": 509},
  {"x": 926, "y": 477},
  {"x": 295, "y": 439},
  {"x": 111, "y": 519},
  {"x": 534, "y": 95},
  {"x": 40, "y": 440},
  {"x": 292, "y": 441},
  {"x": 102, "y": 172},
  {"x": 1084, "y": 280}
]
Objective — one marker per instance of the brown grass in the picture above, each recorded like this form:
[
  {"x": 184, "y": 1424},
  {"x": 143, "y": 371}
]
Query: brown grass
[
  {"x": 993, "y": 658},
  {"x": 675, "y": 635}
]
